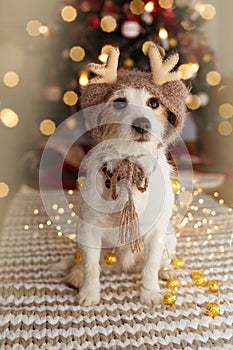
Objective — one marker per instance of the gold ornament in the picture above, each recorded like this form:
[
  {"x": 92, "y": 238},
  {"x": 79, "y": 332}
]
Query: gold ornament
[
  {"x": 175, "y": 185},
  {"x": 213, "y": 285},
  {"x": 80, "y": 182},
  {"x": 212, "y": 309},
  {"x": 78, "y": 257},
  {"x": 110, "y": 258},
  {"x": 199, "y": 278},
  {"x": 173, "y": 283},
  {"x": 169, "y": 298},
  {"x": 178, "y": 262}
]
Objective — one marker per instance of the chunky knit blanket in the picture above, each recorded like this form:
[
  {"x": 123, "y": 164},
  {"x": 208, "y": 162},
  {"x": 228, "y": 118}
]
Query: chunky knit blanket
[{"x": 38, "y": 311}]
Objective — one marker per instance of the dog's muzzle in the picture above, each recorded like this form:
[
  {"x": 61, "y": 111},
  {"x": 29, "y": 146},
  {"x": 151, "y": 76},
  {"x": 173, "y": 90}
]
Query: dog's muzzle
[{"x": 141, "y": 125}]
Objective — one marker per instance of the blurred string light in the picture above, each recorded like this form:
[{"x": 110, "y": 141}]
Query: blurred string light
[
  {"x": 69, "y": 13},
  {"x": 4, "y": 189},
  {"x": 225, "y": 128},
  {"x": 70, "y": 98},
  {"x": 11, "y": 79},
  {"x": 188, "y": 70},
  {"x": 226, "y": 110},
  {"x": 47, "y": 127},
  {"x": 137, "y": 7},
  {"x": 193, "y": 102},
  {"x": 33, "y": 27},
  {"x": 213, "y": 78},
  {"x": 108, "y": 24},
  {"x": 104, "y": 53},
  {"x": 166, "y": 4},
  {"x": 83, "y": 78},
  {"x": 77, "y": 53},
  {"x": 149, "y": 7},
  {"x": 9, "y": 118},
  {"x": 206, "y": 11}
]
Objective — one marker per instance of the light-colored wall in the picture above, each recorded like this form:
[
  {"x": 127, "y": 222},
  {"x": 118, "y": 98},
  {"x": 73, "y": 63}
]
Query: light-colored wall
[{"x": 220, "y": 31}]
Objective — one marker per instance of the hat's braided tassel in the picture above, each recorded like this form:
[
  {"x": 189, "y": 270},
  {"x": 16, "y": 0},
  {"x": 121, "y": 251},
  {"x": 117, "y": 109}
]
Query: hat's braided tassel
[{"x": 129, "y": 223}]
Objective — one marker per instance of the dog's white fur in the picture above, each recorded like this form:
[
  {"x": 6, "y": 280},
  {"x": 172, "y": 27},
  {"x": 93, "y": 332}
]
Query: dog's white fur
[{"x": 99, "y": 216}]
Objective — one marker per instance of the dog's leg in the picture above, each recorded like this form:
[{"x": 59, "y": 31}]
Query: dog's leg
[
  {"x": 130, "y": 262},
  {"x": 150, "y": 290},
  {"x": 89, "y": 293}
]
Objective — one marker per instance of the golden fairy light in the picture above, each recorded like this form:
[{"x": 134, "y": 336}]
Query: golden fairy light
[
  {"x": 207, "y": 11},
  {"x": 47, "y": 127},
  {"x": 149, "y": 7},
  {"x": 193, "y": 102},
  {"x": 70, "y": 98},
  {"x": 103, "y": 57},
  {"x": 4, "y": 189},
  {"x": 108, "y": 24},
  {"x": 188, "y": 70},
  {"x": 166, "y": 4},
  {"x": 9, "y": 118},
  {"x": 106, "y": 49},
  {"x": 187, "y": 25},
  {"x": 68, "y": 13},
  {"x": 163, "y": 34},
  {"x": 129, "y": 62},
  {"x": 33, "y": 27},
  {"x": 137, "y": 7},
  {"x": 226, "y": 110},
  {"x": 83, "y": 78},
  {"x": 44, "y": 30},
  {"x": 213, "y": 78},
  {"x": 11, "y": 79},
  {"x": 225, "y": 128},
  {"x": 77, "y": 53}
]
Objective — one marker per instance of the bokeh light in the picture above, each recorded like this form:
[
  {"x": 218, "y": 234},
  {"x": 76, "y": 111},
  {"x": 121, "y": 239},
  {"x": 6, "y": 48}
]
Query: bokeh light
[
  {"x": 47, "y": 127},
  {"x": 137, "y": 7},
  {"x": 11, "y": 79},
  {"x": 108, "y": 24},
  {"x": 163, "y": 34},
  {"x": 166, "y": 4},
  {"x": 4, "y": 189},
  {"x": 213, "y": 78},
  {"x": 193, "y": 102},
  {"x": 149, "y": 7},
  {"x": 9, "y": 118},
  {"x": 70, "y": 98},
  {"x": 83, "y": 78},
  {"x": 106, "y": 49},
  {"x": 77, "y": 53},
  {"x": 188, "y": 70},
  {"x": 68, "y": 13},
  {"x": 33, "y": 27},
  {"x": 226, "y": 110},
  {"x": 225, "y": 128},
  {"x": 207, "y": 11}
]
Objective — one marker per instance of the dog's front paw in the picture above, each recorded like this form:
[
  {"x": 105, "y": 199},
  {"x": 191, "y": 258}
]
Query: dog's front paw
[
  {"x": 88, "y": 296},
  {"x": 75, "y": 276},
  {"x": 150, "y": 297}
]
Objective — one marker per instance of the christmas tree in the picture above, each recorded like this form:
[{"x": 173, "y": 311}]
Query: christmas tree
[{"x": 87, "y": 30}]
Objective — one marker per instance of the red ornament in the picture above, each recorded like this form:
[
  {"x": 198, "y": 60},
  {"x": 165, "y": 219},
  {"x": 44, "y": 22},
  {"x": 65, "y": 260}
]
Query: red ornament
[{"x": 93, "y": 21}]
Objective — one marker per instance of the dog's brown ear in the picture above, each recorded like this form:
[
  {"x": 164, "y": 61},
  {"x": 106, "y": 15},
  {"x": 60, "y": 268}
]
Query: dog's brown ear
[{"x": 106, "y": 73}]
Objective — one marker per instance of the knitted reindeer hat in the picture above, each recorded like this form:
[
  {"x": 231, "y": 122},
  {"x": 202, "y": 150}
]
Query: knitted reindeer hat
[{"x": 162, "y": 83}]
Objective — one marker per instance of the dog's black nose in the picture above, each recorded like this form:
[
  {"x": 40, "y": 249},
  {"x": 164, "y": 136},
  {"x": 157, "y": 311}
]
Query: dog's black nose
[{"x": 141, "y": 125}]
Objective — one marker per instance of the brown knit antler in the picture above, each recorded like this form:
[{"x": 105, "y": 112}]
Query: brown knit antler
[
  {"x": 161, "y": 70},
  {"x": 107, "y": 73}
]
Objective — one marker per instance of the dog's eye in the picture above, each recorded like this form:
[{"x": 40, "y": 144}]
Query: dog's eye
[
  {"x": 153, "y": 103},
  {"x": 120, "y": 103}
]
